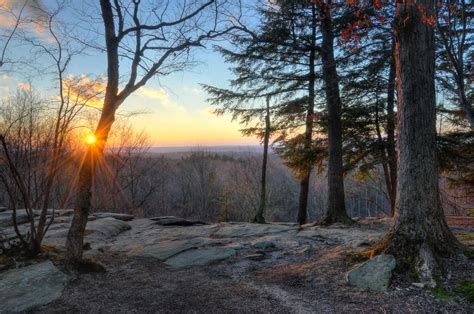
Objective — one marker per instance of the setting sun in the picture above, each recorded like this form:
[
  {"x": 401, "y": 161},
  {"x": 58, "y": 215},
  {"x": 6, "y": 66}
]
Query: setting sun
[{"x": 91, "y": 139}]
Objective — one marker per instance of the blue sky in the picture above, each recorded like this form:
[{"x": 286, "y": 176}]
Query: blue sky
[{"x": 176, "y": 109}]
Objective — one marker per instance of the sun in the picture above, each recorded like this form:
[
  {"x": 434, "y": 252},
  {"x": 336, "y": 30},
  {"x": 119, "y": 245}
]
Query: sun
[{"x": 91, "y": 139}]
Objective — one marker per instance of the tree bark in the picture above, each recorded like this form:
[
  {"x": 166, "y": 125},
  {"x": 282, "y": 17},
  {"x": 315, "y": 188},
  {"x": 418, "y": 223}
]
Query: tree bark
[
  {"x": 112, "y": 101},
  {"x": 391, "y": 148},
  {"x": 260, "y": 216},
  {"x": 308, "y": 134},
  {"x": 75, "y": 237},
  {"x": 336, "y": 211},
  {"x": 420, "y": 232}
]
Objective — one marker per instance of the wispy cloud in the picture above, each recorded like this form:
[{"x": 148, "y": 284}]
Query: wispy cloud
[
  {"x": 83, "y": 90},
  {"x": 30, "y": 15},
  {"x": 163, "y": 98}
]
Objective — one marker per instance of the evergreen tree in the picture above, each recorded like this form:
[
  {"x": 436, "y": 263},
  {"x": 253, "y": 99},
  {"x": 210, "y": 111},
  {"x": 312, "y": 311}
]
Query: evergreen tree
[{"x": 278, "y": 60}]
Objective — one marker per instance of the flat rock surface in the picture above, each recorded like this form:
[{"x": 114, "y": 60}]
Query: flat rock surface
[
  {"x": 6, "y": 217},
  {"x": 234, "y": 267},
  {"x": 124, "y": 217},
  {"x": 30, "y": 286},
  {"x": 200, "y": 257}
]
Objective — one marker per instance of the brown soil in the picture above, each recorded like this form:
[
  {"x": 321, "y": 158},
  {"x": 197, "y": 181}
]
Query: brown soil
[{"x": 313, "y": 282}]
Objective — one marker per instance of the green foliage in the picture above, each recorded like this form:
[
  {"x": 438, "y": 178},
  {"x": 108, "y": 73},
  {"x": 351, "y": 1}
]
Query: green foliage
[
  {"x": 466, "y": 290},
  {"x": 441, "y": 293},
  {"x": 469, "y": 252},
  {"x": 456, "y": 153}
]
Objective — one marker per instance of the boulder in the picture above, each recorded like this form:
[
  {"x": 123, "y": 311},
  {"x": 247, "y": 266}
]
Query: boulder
[
  {"x": 124, "y": 217},
  {"x": 7, "y": 221},
  {"x": 374, "y": 274},
  {"x": 200, "y": 257},
  {"x": 27, "y": 287}
]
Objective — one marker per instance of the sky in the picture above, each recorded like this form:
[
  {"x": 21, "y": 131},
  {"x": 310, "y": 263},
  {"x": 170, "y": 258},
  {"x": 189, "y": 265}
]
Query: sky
[{"x": 173, "y": 109}]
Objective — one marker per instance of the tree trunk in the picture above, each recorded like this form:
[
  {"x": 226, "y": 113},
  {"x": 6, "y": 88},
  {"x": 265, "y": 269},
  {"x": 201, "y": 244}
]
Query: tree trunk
[
  {"x": 336, "y": 211},
  {"x": 303, "y": 199},
  {"x": 391, "y": 150},
  {"x": 75, "y": 237},
  {"x": 420, "y": 232},
  {"x": 308, "y": 134},
  {"x": 260, "y": 216}
]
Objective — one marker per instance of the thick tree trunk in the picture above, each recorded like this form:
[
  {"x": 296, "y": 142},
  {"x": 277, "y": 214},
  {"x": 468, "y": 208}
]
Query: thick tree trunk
[
  {"x": 420, "y": 232},
  {"x": 75, "y": 237},
  {"x": 260, "y": 216},
  {"x": 308, "y": 134},
  {"x": 336, "y": 211},
  {"x": 391, "y": 149},
  {"x": 112, "y": 101}
]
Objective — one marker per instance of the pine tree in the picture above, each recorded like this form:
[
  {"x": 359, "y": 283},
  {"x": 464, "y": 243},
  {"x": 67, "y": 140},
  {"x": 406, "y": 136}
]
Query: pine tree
[{"x": 279, "y": 61}]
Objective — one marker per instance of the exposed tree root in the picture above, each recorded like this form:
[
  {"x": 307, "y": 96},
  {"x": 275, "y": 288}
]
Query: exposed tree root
[{"x": 419, "y": 254}]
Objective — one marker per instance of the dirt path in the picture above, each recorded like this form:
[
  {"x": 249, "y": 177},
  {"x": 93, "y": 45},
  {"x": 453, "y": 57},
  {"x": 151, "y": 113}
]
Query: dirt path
[{"x": 306, "y": 284}]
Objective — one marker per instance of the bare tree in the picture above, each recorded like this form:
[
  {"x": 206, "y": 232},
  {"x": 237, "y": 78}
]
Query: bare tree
[
  {"x": 122, "y": 183},
  {"x": 155, "y": 40},
  {"x": 42, "y": 142},
  {"x": 17, "y": 18}
]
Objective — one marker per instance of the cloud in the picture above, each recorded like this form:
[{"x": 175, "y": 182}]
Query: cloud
[
  {"x": 30, "y": 14},
  {"x": 82, "y": 90},
  {"x": 25, "y": 86},
  {"x": 163, "y": 98},
  {"x": 160, "y": 94}
]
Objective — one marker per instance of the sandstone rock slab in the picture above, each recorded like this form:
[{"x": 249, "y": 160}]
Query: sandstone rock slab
[
  {"x": 26, "y": 287},
  {"x": 250, "y": 230},
  {"x": 105, "y": 228},
  {"x": 264, "y": 244},
  {"x": 176, "y": 221},
  {"x": 124, "y": 217},
  {"x": 200, "y": 257},
  {"x": 167, "y": 249},
  {"x": 7, "y": 221}
]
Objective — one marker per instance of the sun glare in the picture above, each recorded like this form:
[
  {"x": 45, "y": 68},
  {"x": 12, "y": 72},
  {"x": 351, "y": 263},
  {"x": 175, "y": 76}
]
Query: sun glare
[{"x": 91, "y": 139}]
